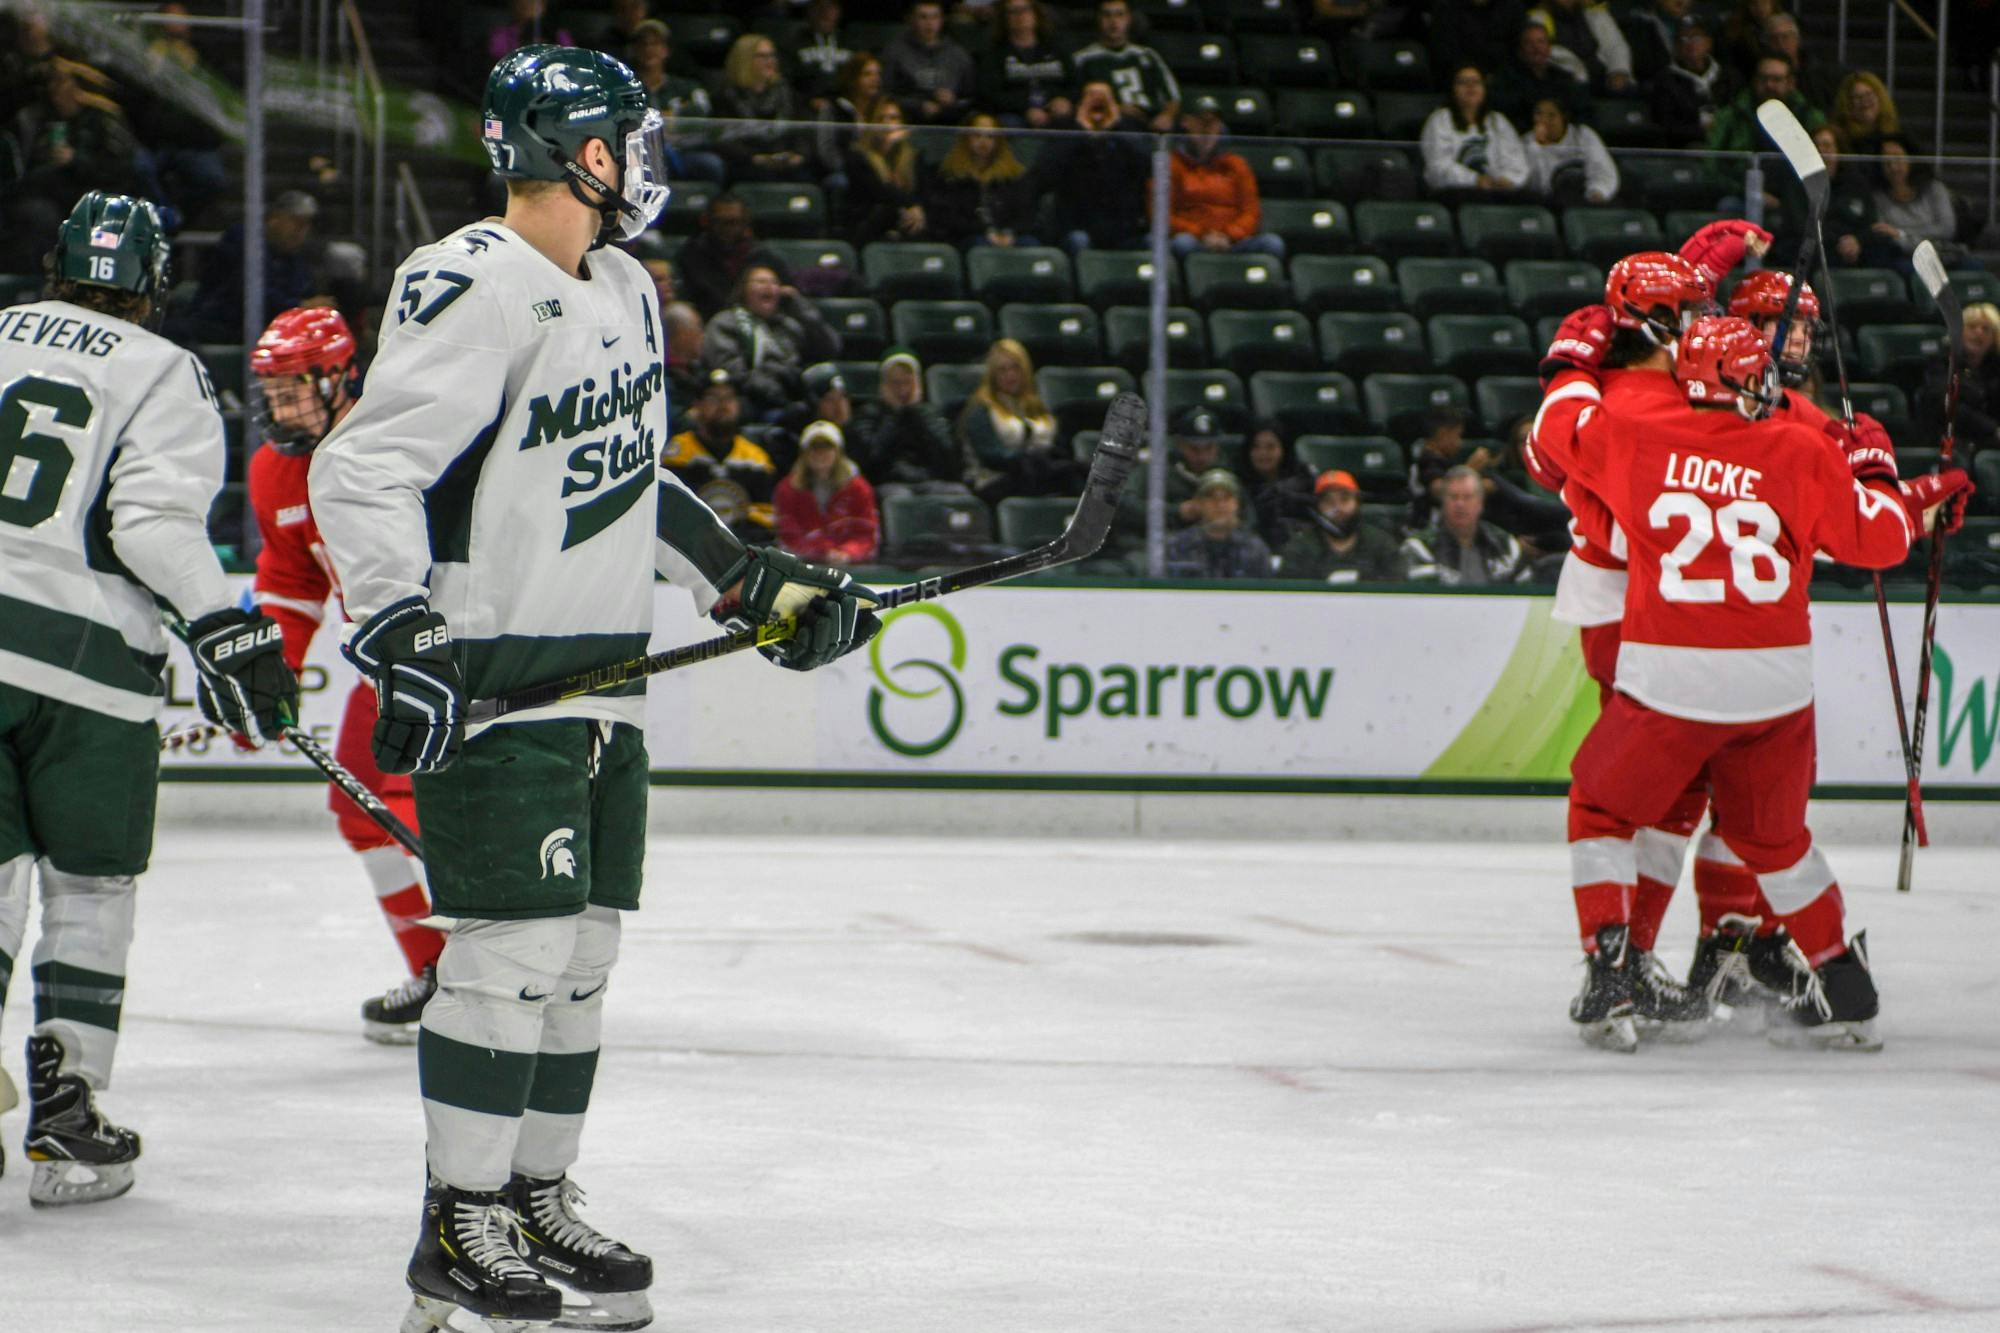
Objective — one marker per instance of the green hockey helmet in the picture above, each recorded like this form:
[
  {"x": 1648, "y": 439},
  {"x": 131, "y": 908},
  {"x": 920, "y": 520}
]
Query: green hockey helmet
[
  {"x": 544, "y": 103},
  {"x": 113, "y": 240}
]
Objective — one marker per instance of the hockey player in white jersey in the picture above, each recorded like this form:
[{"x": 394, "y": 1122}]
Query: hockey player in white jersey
[
  {"x": 110, "y": 454},
  {"x": 495, "y": 513}
]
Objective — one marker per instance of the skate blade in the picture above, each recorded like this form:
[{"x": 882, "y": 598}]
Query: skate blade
[
  {"x": 603, "y": 1309},
  {"x": 1612, "y": 1034},
  {"x": 389, "y": 1034},
  {"x": 430, "y": 1315},
  {"x": 1858, "y": 1037},
  {"x": 1682, "y": 1032},
  {"x": 60, "y": 1184}
]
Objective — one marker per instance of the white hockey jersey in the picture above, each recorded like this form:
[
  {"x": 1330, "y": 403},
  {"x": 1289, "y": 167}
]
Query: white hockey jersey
[
  {"x": 502, "y": 463},
  {"x": 111, "y": 452}
]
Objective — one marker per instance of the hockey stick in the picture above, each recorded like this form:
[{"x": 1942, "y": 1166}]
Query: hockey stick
[
  {"x": 1117, "y": 453},
  {"x": 1803, "y": 155},
  {"x": 1930, "y": 269}
]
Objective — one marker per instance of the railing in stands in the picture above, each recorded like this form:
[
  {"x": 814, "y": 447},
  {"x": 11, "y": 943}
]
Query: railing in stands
[
  {"x": 363, "y": 155},
  {"x": 413, "y": 226}
]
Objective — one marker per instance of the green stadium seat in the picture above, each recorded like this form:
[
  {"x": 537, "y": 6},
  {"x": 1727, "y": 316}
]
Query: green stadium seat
[
  {"x": 1887, "y": 404},
  {"x": 1306, "y": 402},
  {"x": 1220, "y": 391},
  {"x": 1874, "y": 296},
  {"x": 1498, "y": 401},
  {"x": 871, "y": 34},
  {"x": 1248, "y": 16},
  {"x": 1315, "y": 113},
  {"x": 1605, "y": 235},
  {"x": 914, "y": 524},
  {"x": 1473, "y": 345},
  {"x": 1402, "y": 115},
  {"x": 1986, "y": 477},
  {"x": 1545, "y": 329},
  {"x": 912, "y": 270},
  {"x": 1245, "y": 110},
  {"x": 705, "y": 37},
  {"x": 225, "y": 365},
  {"x": 1500, "y": 232},
  {"x": 1680, "y": 223},
  {"x": 1078, "y": 395},
  {"x": 19, "y": 288},
  {"x": 685, "y": 205},
  {"x": 1450, "y": 287},
  {"x": 942, "y": 330},
  {"x": 1972, "y": 557},
  {"x": 1974, "y": 287},
  {"x": 1395, "y": 230},
  {"x": 1898, "y": 351},
  {"x": 1626, "y": 122},
  {"x": 1537, "y": 288},
  {"x": 1309, "y": 226},
  {"x": 1120, "y": 277},
  {"x": 1128, "y": 337},
  {"x": 998, "y": 274},
  {"x": 1670, "y": 183},
  {"x": 818, "y": 265},
  {"x": 1027, "y": 522},
  {"x": 863, "y": 328},
  {"x": 1376, "y": 461},
  {"x": 1247, "y": 341},
  {"x": 1375, "y": 63},
  {"x": 1916, "y": 462},
  {"x": 1368, "y": 342},
  {"x": 949, "y": 386},
  {"x": 863, "y": 378},
  {"x": 1196, "y": 57},
  {"x": 1343, "y": 282},
  {"x": 1285, "y": 62},
  {"x": 1055, "y": 335},
  {"x": 1397, "y": 404},
  {"x": 783, "y": 210},
  {"x": 1244, "y": 281},
  {"x": 1283, "y": 170},
  {"x": 1165, "y": 17},
  {"x": 1374, "y": 172}
]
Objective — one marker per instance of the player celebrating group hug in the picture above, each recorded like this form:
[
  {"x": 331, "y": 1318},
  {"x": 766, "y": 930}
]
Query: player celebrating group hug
[{"x": 1703, "y": 485}]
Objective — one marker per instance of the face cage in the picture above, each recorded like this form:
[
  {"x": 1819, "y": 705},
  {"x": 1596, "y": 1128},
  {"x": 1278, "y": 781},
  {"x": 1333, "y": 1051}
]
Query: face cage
[
  {"x": 1754, "y": 402},
  {"x": 296, "y": 440},
  {"x": 1794, "y": 373},
  {"x": 1664, "y": 333},
  {"x": 642, "y": 193}
]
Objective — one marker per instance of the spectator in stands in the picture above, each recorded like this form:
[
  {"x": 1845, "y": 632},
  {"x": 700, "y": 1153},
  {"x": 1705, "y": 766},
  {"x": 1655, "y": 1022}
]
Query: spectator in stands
[
  {"x": 765, "y": 340},
  {"x": 1540, "y": 522},
  {"x": 712, "y": 458},
  {"x": 615, "y": 37},
  {"x": 683, "y": 326},
  {"x": 1531, "y": 75},
  {"x": 1743, "y": 33},
  {"x": 24, "y": 63},
  {"x": 69, "y": 141},
  {"x": 291, "y": 277},
  {"x": 710, "y": 261},
  {"x": 1688, "y": 93},
  {"x": 815, "y": 51},
  {"x": 1651, "y": 31},
  {"x": 1431, "y": 457},
  {"x": 825, "y": 400},
  {"x": 661, "y": 271},
  {"x": 1737, "y": 132},
  {"x": 1978, "y": 420},
  {"x": 1024, "y": 78},
  {"x": 1145, "y": 87},
  {"x": 1461, "y": 549},
  {"x": 689, "y": 154},
  {"x": 903, "y": 444},
  {"x": 981, "y": 194},
  {"x": 857, "y": 88},
  {"x": 1864, "y": 113},
  {"x": 826, "y": 508},
  {"x": 1468, "y": 146},
  {"x": 1480, "y": 33},
  {"x": 1911, "y": 206},
  {"x": 761, "y": 145},
  {"x": 930, "y": 74},
  {"x": 1849, "y": 223},
  {"x": 1217, "y": 545},
  {"x": 886, "y": 181},
  {"x": 182, "y": 153},
  {"x": 1212, "y": 194},
  {"x": 1196, "y": 437},
  {"x": 1011, "y": 436},
  {"x": 1568, "y": 164},
  {"x": 1586, "y": 41},
  {"x": 1817, "y": 79},
  {"x": 526, "y": 24},
  {"x": 1098, "y": 180},
  {"x": 1338, "y": 545},
  {"x": 1278, "y": 487}
]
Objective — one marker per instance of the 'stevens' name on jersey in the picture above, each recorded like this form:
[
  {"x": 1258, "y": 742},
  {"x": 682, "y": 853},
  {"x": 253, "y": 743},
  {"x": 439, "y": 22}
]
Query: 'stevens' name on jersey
[
  {"x": 625, "y": 463},
  {"x": 1711, "y": 475},
  {"x": 62, "y": 334}
]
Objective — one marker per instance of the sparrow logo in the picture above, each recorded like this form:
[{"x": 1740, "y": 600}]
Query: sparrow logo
[
  {"x": 557, "y": 858},
  {"x": 905, "y": 679}
]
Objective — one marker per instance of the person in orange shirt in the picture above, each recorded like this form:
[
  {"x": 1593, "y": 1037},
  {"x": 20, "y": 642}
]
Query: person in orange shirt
[{"x": 1213, "y": 202}]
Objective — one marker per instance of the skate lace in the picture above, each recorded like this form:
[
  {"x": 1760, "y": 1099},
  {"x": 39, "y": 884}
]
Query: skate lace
[
  {"x": 407, "y": 991},
  {"x": 1809, "y": 993},
  {"x": 1662, "y": 982},
  {"x": 490, "y": 1236},
  {"x": 555, "y": 1208}
]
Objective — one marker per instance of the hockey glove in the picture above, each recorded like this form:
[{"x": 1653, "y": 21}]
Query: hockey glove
[
  {"x": 405, "y": 649},
  {"x": 243, "y": 683},
  {"x": 1937, "y": 503},
  {"x": 1871, "y": 454},
  {"x": 1719, "y": 246},
  {"x": 835, "y": 614},
  {"x": 1580, "y": 343}
]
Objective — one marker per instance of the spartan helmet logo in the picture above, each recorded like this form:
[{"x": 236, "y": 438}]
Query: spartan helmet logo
[{"x": 557, "y": 858}]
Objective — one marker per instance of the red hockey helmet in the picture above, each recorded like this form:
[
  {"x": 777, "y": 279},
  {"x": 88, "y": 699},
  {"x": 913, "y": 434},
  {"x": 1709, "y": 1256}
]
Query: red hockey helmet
[
  {"x": 305, "y": 360},
  {"x": 1724, "y": 361},
  {"x": 1641, "y": 285},
  {"x": 1761, "y": 295}
]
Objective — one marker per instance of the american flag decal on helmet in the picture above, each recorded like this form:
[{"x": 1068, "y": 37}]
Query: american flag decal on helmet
[
  {"x": 493, "y": 130},
  {"x": 102, "y": 238}
]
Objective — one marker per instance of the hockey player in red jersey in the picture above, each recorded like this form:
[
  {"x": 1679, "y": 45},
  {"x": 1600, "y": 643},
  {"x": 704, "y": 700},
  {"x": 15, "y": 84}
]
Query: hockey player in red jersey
[
  {"x": 1724, "y": 510},
  {"x": 304, "y": 363}
]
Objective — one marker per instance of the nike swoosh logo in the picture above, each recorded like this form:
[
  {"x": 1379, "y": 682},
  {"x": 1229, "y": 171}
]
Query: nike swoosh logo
[
  {"x": 609, "y": 342},
  {"x": 584, "y": 995},
  {"x": 532, "y": 998}
]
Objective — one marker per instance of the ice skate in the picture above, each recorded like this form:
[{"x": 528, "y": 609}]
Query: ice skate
[
  {"x": 391, "y": 1017},
  {"x": 1604, "y": 1011},
  {"x": 79, "y": 1156},
  {"x": 609, "y": 1279},
  {"x": 1832, "y": 1008},
  {"x": 1744, "y": 974},
  {"x": 1664, "y": 1009},
  {"x": 469, "y": 1257}
]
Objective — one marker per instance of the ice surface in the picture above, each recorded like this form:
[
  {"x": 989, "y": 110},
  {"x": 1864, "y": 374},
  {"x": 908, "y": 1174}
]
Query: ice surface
[{"x": 884, "y": 1085}]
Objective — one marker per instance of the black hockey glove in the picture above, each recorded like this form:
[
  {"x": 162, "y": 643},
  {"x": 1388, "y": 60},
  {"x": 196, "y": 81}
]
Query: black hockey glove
[
  {"x": 242, "y": 680},
  {"x": 405, "y": 650},
  {"x": 835, "y": 614}
]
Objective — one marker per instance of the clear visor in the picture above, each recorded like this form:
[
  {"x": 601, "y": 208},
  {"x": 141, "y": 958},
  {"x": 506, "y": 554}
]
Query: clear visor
[{"x": 645, "y": 184}]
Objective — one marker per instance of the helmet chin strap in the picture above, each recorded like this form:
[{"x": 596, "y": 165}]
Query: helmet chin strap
[{"x": 609, "y": 203}]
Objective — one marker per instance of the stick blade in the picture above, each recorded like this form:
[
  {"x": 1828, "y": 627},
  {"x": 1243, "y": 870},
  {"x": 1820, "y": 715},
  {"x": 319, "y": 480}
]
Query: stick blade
[
  {"x": 1117, "y": 454},
  {"x": 1798, "y": 148},
  {"x": 1930, "y": 271}
]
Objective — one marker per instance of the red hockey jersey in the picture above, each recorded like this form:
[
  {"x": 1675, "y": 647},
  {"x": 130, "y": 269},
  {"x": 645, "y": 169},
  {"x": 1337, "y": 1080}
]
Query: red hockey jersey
[
  {"x": 1722, "y": 517},
  {"x": 294, "y": 575}
]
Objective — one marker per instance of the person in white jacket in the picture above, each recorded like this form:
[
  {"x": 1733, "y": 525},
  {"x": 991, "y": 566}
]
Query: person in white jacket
[
  {"x": 1568, "y": 163},
  {"x": 1587, "y": 43},
  {"x": 1467, "y": 146}
]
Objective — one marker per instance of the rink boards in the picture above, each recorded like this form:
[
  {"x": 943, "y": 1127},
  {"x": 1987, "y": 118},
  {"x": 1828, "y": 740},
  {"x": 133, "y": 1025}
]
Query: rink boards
[{"x": 1191, "y": 689}]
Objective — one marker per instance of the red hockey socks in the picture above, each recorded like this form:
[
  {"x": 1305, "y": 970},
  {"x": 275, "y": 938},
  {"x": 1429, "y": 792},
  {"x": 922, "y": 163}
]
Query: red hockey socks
[
  {"x": 1602, "y": 875},
  {"x": 404, "y": 904},
  {"x": 1658, "y": 854},
  {"x": 1806, "y": 900}
]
